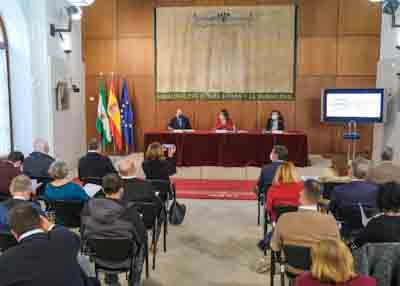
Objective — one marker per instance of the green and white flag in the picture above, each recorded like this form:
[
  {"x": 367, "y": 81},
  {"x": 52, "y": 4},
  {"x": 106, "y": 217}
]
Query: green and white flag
[{"x": 102, "y": 122}]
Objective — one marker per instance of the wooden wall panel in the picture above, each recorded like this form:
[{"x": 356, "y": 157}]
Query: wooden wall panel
[
  {"x": 318, "y": 17},
  {"x": 359, "y": 17},
  {"x": 317, "y": 56},
  {"x": 338, "y": 45},
  {"x": 358, "y": 55},
  {"x": 141, "y": 61},
  {"x": 135, "y": 17},
  {"x": 100, "y": 20},
  {"x": 100, "y": 56}
]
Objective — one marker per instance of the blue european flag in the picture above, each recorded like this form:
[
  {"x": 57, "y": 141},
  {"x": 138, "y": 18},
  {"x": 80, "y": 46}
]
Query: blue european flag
[{"x": 127, "y": 117}]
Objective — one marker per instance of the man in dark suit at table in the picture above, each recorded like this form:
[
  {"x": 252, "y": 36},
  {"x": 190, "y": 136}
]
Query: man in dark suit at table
[
  {"x": 278, "y": 154},
  {"x": 44, "y": 255},
  {"x": 94, "y": 165},
  {"x": 179, "y": 121}
]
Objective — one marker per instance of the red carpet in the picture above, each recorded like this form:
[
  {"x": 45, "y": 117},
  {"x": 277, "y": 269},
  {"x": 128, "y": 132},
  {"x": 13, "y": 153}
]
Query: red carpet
[{"x": 215, "y": 189}]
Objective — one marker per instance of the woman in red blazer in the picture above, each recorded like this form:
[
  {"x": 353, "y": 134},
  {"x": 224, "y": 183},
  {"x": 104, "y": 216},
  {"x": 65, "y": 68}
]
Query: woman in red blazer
[
  {"x": 285, "y": 189},
  {"x": 224, "y": 121},
  {"x": 332, "y": 264}
]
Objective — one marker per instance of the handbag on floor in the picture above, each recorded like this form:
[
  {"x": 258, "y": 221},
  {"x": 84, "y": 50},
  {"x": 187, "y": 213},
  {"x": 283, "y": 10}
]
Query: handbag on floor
[{"x": 177, "y": 213}]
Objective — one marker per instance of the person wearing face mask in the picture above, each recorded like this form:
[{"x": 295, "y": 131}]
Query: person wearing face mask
[
  {"x": 179, "y": 121},
  {"x": 275, "y": 121},
  {"x": 224, "y": 121},
  {"x": 9, "y": 169}
]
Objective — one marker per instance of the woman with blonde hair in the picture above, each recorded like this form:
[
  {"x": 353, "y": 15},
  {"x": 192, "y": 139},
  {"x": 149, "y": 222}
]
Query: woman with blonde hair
[
  {"x": 332, "y": 264},
  {"x": 285, "y": 189}
]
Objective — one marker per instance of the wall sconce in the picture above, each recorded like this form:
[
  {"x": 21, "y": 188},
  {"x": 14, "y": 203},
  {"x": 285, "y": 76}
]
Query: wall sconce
[
  {"x": 390, "y": 7},
  {"x": 72, "y": 11}
]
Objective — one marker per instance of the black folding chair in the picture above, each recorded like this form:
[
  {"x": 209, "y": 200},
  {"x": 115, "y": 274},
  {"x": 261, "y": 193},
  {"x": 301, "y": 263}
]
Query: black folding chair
[
  {"x": 149, "y": 215},
  {"x": 7, "y": 240},
  {"x": 92, "y": 180},
  {"x": 167, "y": 192},
  {"x": 112, "y": 256},
  {"x": 67, "y": 212},
  {"x": 4, "y": 197},
  {"x": 261, "y": 194},
  {"x": 297, "y": 257}
]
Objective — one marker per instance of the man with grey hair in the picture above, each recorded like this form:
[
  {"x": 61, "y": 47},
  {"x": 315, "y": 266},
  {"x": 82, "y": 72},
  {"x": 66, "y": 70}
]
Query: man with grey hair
[
  {"x": 37, "y": 164},
  {"x": 350, "y": 195},
  {"x": 21, "y": 191},
  {"x": 386, "y": 171}
]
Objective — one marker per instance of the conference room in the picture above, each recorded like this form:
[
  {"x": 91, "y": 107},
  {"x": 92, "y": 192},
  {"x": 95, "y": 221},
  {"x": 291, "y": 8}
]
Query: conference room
[{"x": 199, "y": 142}]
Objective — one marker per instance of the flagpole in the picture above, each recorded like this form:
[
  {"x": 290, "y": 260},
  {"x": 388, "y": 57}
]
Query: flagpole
[{"x": 102, "y": 148}]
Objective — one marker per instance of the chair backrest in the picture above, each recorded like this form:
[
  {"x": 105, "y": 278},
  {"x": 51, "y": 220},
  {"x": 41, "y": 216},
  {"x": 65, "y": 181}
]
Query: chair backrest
[
  {"x": 67, "y": 213},
  {"x": 149, "y": 212},
  {"x": 111, "y": 250},
  {"x": 7, "y": 240},
  {"x": 92, "y": 180},
  {"x": 280, "y": 210},
  {"x": 298, "y": 257},
  {"x": 161, "y": 185}
]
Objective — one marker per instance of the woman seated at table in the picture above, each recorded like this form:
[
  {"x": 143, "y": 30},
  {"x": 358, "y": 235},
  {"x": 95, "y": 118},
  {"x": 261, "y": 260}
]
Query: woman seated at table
[
  {"x": 158, "y": 167},
  {"x": 275, "y": 121},
  {"x": 224, "y": 121},
  {"x": 338, "y": 171},
  {"x": 61, "y": 188},
  {"x": 385, "y": 227},
  {"x": 332, "y": 264},
  {"x": 285, "y": 189}
]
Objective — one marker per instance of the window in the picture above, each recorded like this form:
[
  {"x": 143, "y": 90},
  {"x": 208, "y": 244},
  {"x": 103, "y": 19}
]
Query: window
[{"x": 5, "y": 102}]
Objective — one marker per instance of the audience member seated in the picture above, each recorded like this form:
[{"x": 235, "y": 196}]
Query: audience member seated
[
  {"x": 135, "y": 190},
  {"x": 350, "y": 195},
  {"x": 9, "y": 169},
  {"x": 158, "y": 167},
  {"x": 224, "y": 121},
  {"x": 21, "y": 192},
  {"x": 385, "y": 227},
  {"x": 94, "y": 165},
  {"x": 308, "y": 225},
  {"x": 110, "y": 217},
  {"x": 279, "y": 153},
  {"x": 285, "y": 189},
  {"x": 339, "y": 170},
  {"x": 179, "y": 121},
  {"x": 332, "y": 264},
  {"x": 62, "y": 188},
  {"x": 40, "y": 258},
  {"x": 386, "y": 171},
  {"x": 275, "y": 121},
  {"x": 37, "y": 164}
]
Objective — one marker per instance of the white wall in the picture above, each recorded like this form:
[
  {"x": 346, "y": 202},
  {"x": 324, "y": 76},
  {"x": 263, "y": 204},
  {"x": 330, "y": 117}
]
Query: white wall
[
  {"x": 33, "y": 54},
  {"x": 388, "y": 134}
]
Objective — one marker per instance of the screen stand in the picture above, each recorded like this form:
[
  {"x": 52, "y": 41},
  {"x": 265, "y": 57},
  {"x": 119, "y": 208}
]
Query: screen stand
[{"x": 352, "y": 136}]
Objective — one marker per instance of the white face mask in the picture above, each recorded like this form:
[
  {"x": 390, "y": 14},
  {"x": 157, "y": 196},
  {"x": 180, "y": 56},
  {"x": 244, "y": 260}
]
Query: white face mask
[{"x": 274, "y": 116}]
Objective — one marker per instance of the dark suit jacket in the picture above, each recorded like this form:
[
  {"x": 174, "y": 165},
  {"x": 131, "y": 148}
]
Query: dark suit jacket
[
  {"x": 43, "y": 259},
  {"x": 7, "y": 173},
  {"x": 37, "y": 164},
  {"x": 281, "y": 125},
  {"x": 94, "y": 165},
  {"x": 267, "y": 175},
  {"x": 185, "y": 124}
]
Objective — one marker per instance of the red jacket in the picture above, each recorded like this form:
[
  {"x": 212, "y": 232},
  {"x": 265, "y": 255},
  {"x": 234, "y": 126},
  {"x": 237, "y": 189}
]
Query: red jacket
[
  {"x": 283, "y": 195},
  {"x": 228, "y": 126},
  {"x": 361, "y": 280}
]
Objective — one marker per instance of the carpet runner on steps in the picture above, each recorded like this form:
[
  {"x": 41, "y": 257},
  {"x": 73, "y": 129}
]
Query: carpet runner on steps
[{"x": 215, "y": 189}]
